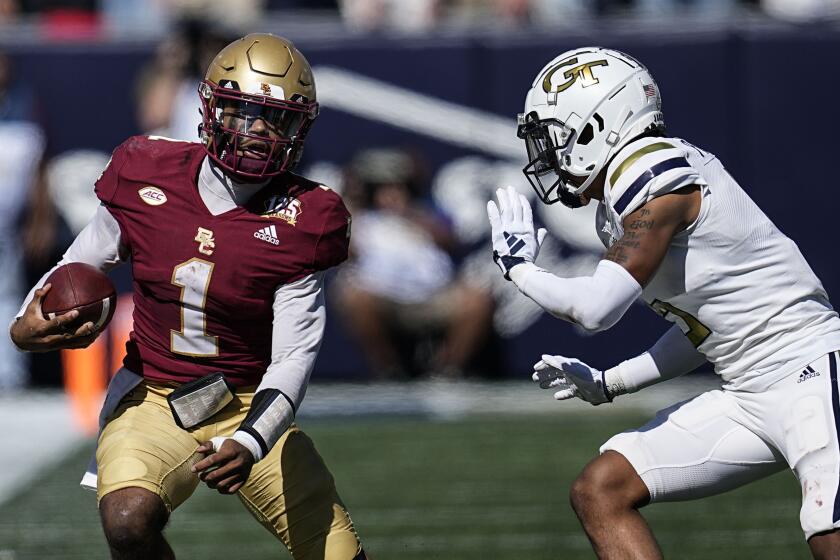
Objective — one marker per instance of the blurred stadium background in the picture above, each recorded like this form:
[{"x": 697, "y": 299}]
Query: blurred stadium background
[{"x": 420, "y": 401}]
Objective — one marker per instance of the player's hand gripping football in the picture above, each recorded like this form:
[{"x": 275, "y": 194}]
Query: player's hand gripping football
[
  {"x": 512, "y": 230},
  {"x": 570, "y": 377},
  {"x": 34, "y": 333},
  {"x": 226, "y": 466}
]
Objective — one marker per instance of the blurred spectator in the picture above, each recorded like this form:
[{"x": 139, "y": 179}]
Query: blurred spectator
[
  {"x": 277, "y": 5},
  {"x": 571, "y": 12},
  {"x": 231, "y": 13},
  {"x": 802, "y": 11},
  {"x": 23, "y": 146},
  {"x": 65, "y": 19},
  {"x": 45, "y": 237},
  {"x": 9, "y": 10},
  {"x": 399, "y": 295},
  {"x": 61, "y": 203},
  {"x": 508, "y": 11},
  {"x": 69, "y": 180},
  {"x": 399, "y": 15},
  {"x": 167, "y": 90},
  {"x": 145, "y": 15},
  {"x": 696, "y": 8}
]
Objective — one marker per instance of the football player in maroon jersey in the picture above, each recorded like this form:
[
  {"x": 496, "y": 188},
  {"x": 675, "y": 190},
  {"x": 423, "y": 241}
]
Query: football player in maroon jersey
[{"x": 228, "y": 250}]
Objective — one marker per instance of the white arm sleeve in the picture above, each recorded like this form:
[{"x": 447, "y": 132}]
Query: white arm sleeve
[
  {"x": 672, "y": 355},
  {"x": 594, "y": 302},
  {"x": 98, "y": 244},
  {"x": 299, "y": 319}
]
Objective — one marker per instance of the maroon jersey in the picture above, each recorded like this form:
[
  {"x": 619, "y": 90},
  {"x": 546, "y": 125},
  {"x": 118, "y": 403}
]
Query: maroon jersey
[{"x": 203, "y": 284}]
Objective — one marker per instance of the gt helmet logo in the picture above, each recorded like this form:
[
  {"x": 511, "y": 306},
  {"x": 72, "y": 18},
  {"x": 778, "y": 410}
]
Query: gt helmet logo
[{"x": 581, "y": 71}]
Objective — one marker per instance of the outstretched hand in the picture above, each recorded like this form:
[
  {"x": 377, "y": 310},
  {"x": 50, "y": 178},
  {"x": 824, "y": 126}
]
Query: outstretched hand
[
  {"x": 570, "y": 377},
  {"x": 512, "y": 230},
  {"x": 34, "y": 333}
]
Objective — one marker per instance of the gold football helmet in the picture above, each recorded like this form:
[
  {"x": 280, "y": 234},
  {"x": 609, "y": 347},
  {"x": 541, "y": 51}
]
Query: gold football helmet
[{"x": 258, "y": 99}]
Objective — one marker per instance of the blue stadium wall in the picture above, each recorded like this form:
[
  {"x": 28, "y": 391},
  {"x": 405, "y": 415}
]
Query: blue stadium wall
[{"x": 764, "y": 100}]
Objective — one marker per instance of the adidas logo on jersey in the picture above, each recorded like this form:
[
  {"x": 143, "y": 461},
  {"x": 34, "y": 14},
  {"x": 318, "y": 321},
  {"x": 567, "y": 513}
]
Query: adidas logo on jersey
[
  {"x": 808, "y": 373},
  {"x": 268, "y": 234}
]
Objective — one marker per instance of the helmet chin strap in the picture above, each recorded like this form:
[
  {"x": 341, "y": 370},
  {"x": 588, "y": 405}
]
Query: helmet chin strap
[{"x": 568, "y": 199}]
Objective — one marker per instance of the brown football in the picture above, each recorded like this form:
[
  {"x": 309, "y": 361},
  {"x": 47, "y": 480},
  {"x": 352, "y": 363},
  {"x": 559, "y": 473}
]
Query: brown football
[{"x": 83, "y": 287}]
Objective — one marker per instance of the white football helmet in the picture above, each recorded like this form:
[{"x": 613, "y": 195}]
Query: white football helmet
[{"x": 583, "y": 107}]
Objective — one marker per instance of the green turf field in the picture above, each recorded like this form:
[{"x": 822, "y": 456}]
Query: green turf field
[{"x": 471, "y": 489}]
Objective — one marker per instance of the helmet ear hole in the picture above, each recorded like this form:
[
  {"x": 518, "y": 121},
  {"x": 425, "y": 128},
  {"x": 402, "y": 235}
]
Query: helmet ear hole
[
  {"x": 598, "y": 118},
  {"x": 586, "y": 135}
]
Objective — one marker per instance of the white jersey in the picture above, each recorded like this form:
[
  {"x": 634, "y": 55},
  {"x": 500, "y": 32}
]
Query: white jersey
[{"x": 738, "y": 287}]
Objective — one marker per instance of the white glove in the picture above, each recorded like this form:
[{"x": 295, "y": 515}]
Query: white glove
[
  {"x": 512, "y": 230},
  {"x": 572, "y": 378}
]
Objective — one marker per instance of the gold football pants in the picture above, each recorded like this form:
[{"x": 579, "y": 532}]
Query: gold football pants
[{"x": 290, "y": 491}]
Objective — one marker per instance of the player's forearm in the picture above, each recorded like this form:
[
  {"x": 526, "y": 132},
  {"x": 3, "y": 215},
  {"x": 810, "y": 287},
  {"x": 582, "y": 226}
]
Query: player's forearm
[
  {"x": 299, "y": 320},
  {"x": 594, "y": 302},
  {"x": 672, "y": 355}
]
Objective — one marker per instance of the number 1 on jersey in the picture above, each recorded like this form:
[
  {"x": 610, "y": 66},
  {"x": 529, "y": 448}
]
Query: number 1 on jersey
[{"x": 193, "y": 277}]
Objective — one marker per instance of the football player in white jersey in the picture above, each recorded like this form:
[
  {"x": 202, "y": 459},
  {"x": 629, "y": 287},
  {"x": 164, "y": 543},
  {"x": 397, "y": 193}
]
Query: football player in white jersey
[{"x": 682, "y": 235}]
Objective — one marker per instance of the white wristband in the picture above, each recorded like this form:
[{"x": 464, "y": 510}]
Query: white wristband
[
  {"x": 243, "y": 438},
  {"x": 631, "y": 375},
  {"x": 248, "y": 441},
  {"x": 671, "y": 356}
]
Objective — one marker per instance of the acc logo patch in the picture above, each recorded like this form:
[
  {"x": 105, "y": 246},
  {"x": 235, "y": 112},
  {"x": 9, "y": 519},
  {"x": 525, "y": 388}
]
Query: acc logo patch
[
  {"x": 152, "y": 195},
  {"x": 286, "y": 208}
]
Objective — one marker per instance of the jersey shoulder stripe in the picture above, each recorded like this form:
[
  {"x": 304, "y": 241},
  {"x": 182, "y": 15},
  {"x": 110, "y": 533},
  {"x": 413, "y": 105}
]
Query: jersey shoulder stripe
[
  {"x": 644, "y": 169},
  {"x": 646, "y": 177},
  {"x": 635, "y": 156}
]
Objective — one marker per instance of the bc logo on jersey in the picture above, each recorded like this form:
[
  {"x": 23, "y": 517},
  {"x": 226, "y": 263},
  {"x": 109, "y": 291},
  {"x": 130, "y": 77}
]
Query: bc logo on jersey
[
  {"x": 206, "y": 243},
  {"x": 583, "y": 72}
]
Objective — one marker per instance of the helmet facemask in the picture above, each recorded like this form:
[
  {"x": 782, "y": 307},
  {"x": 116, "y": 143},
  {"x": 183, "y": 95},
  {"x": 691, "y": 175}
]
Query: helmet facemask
[
  {"x": 547, "y": 142},
  {"x": 253, "y": 136}
]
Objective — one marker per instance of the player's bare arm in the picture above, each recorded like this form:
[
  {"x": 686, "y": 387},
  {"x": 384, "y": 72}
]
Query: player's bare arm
[
  {"x": 32, "y": 332},
  {"x": 648, "y": 232}
]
